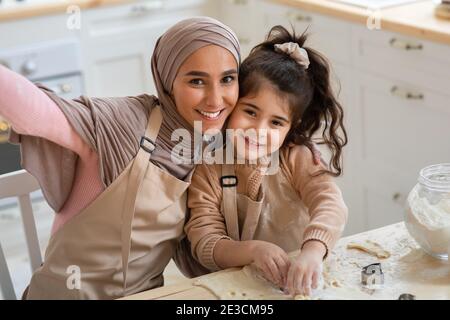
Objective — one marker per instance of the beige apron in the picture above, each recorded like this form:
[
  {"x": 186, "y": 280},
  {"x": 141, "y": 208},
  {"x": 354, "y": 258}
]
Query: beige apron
[
  {"x": 121, "y": 243},
  {"x": 274, "y": 217}
]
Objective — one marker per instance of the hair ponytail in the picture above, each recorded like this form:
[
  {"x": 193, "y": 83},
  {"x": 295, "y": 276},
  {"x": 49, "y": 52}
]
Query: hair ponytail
[{"x": 324, "y": 113}]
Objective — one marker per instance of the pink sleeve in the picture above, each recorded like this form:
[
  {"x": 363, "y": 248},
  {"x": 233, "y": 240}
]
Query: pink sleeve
[{"x": 31, "y": 112}]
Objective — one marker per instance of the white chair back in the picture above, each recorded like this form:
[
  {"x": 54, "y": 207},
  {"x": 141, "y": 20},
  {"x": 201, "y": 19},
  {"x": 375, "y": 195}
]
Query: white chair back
[{"x": 20, "y": 184}]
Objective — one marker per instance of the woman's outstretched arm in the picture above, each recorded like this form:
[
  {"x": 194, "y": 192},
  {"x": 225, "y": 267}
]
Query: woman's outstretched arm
[{"x": 31, "y": 112}]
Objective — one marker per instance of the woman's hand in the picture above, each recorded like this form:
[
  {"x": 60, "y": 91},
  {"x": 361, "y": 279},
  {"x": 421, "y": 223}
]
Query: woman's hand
[
  {"x": 272, "y": 261},
  {"x": 317, "y": 155},
  {"x": 306, "y": 270}
]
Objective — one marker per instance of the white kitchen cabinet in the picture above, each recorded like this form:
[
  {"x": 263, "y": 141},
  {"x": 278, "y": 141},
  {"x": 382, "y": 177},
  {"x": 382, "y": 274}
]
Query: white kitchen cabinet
[
  {"x": 328, "y": 35},
  {"x": 422, "y": 62},
  {"x": 120, "y": 66},
  {"x": 402, "y": 133},
  {"x": 244, "y": 17},
  {"x": 349, "y": 181},
  {"x": 37, "y": 30},
  {"x": 119, "y": 40}
]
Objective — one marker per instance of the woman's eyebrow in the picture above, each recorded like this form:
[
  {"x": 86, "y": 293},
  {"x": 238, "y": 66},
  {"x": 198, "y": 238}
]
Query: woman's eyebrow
[
  {"x": 197, "y": 73},
  {"x": 205, "y": 74},
  {"x": 228, "y": 72}
]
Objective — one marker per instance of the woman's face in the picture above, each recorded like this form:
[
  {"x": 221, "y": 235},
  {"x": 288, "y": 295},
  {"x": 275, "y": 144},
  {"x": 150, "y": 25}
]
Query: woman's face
[
  {"x": 264, "y": 120},
  {"x": 206, "y": 87}
]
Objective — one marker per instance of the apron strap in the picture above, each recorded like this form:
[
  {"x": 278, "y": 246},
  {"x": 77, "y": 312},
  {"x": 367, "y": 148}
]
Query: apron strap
[
  {"x": 229, "y": 181},
  {"x": 137, "y": 173}
]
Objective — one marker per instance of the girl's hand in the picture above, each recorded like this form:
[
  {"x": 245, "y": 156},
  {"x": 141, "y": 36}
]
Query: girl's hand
[
  {"x": 306, "y": 270},
  {"x": 272, "y": 261},
  {"x": 317, "y": 155}
]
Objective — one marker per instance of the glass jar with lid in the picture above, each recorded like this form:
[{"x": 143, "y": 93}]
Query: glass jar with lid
[{"x": 427, "y": 214}]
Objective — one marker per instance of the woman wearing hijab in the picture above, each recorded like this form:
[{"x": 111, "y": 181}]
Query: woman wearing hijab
[{"x": 105, "y": 165}]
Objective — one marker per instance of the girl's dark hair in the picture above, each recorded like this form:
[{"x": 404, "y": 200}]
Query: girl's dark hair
[{"x": 309, "y": 92}]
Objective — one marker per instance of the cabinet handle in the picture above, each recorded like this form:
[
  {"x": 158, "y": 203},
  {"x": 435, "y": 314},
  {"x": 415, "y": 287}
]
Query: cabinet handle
[
  {"x": 146, "y": 7},
  {"x": 4, "y": 63},
  {"x": 405, "y": 94},
  {"x": 239, "y": 2},
  {"x": 62, "y": 88},
  {"x": 405, "y": 45},
  {"x": 299, "y": 17},
  {"x": 396, "y": 196},
  {"x": 66, "y": 88},
  {"x": 4, "y": 129},
  {"x": 4, "y": 126}
]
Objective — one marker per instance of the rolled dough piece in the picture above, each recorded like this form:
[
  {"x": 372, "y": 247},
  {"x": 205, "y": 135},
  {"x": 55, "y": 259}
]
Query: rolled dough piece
[
  {"x": 241, "y": 284},
  {"x": 371, "y": 248}
]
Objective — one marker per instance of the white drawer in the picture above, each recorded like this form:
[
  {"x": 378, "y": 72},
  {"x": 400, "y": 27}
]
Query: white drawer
[
  {"x": 116, "y": 20},
  {"x": 403, "y": 133},
  {"x": 22, "y": 32},
  {"x": 422, "y": 62},
  {"x": 330, "y": 36}
]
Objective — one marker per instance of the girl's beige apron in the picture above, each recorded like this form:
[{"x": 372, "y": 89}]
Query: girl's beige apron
[
  {"x": 271, "y": 218},
  {"x": 121, "y": 243}
]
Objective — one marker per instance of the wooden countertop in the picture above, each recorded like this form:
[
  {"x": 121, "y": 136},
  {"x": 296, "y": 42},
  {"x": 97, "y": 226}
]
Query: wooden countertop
[
  {"x": 407, "y": 270},
  {"x": 28, "y": 10},
  {"x": 415, "y": 19}
]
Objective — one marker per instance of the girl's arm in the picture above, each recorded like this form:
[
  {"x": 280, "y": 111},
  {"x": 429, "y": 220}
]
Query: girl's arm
[
  {"x": 328, "y": 215},
  {"x": 322, "y": 196},
  {"x": 31, "y": 112},
  {"x": 231, "y": 253},
  {"x": 206, "y": 225}
]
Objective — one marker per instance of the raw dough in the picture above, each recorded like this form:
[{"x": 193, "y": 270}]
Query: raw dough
[
  {"x": 248, "y": 284},
  {"x": 241, "y": 284},
  {"x": 371, "y": 248}
]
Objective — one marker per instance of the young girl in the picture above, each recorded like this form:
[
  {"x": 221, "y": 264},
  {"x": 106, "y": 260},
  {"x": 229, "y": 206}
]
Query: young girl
[{"x": 239, "y": 214}]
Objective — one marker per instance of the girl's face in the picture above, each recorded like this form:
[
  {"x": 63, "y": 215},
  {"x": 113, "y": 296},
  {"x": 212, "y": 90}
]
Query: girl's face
[
  {"x": 206, "y": 87},
  {"x": 265, "y": 120}
]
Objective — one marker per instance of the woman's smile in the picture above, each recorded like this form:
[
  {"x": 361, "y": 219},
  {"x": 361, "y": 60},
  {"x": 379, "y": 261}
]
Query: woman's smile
[{"x": 210, "y": 116}]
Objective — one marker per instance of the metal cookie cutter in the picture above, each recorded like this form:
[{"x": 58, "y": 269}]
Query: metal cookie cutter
[
  {"x": 407, "y": 296},
  {"x": 372, "y": 274}
]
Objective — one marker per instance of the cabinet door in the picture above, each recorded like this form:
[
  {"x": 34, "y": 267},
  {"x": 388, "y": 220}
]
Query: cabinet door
[
  {"x": 118, "y": 43},
  {"x": 349, "y": 181},
  {"x": 245, "y": 18},
  {"x": 120, "y": 69},
  {"x": 328, "y": 35},
  {"x": 404, "y": 128}
]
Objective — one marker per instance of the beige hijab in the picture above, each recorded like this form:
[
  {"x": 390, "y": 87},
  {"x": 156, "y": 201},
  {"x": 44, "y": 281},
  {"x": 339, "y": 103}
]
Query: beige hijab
[
  {"x": 171, "y": 50},
  {"x": 113, "y": 127}
]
